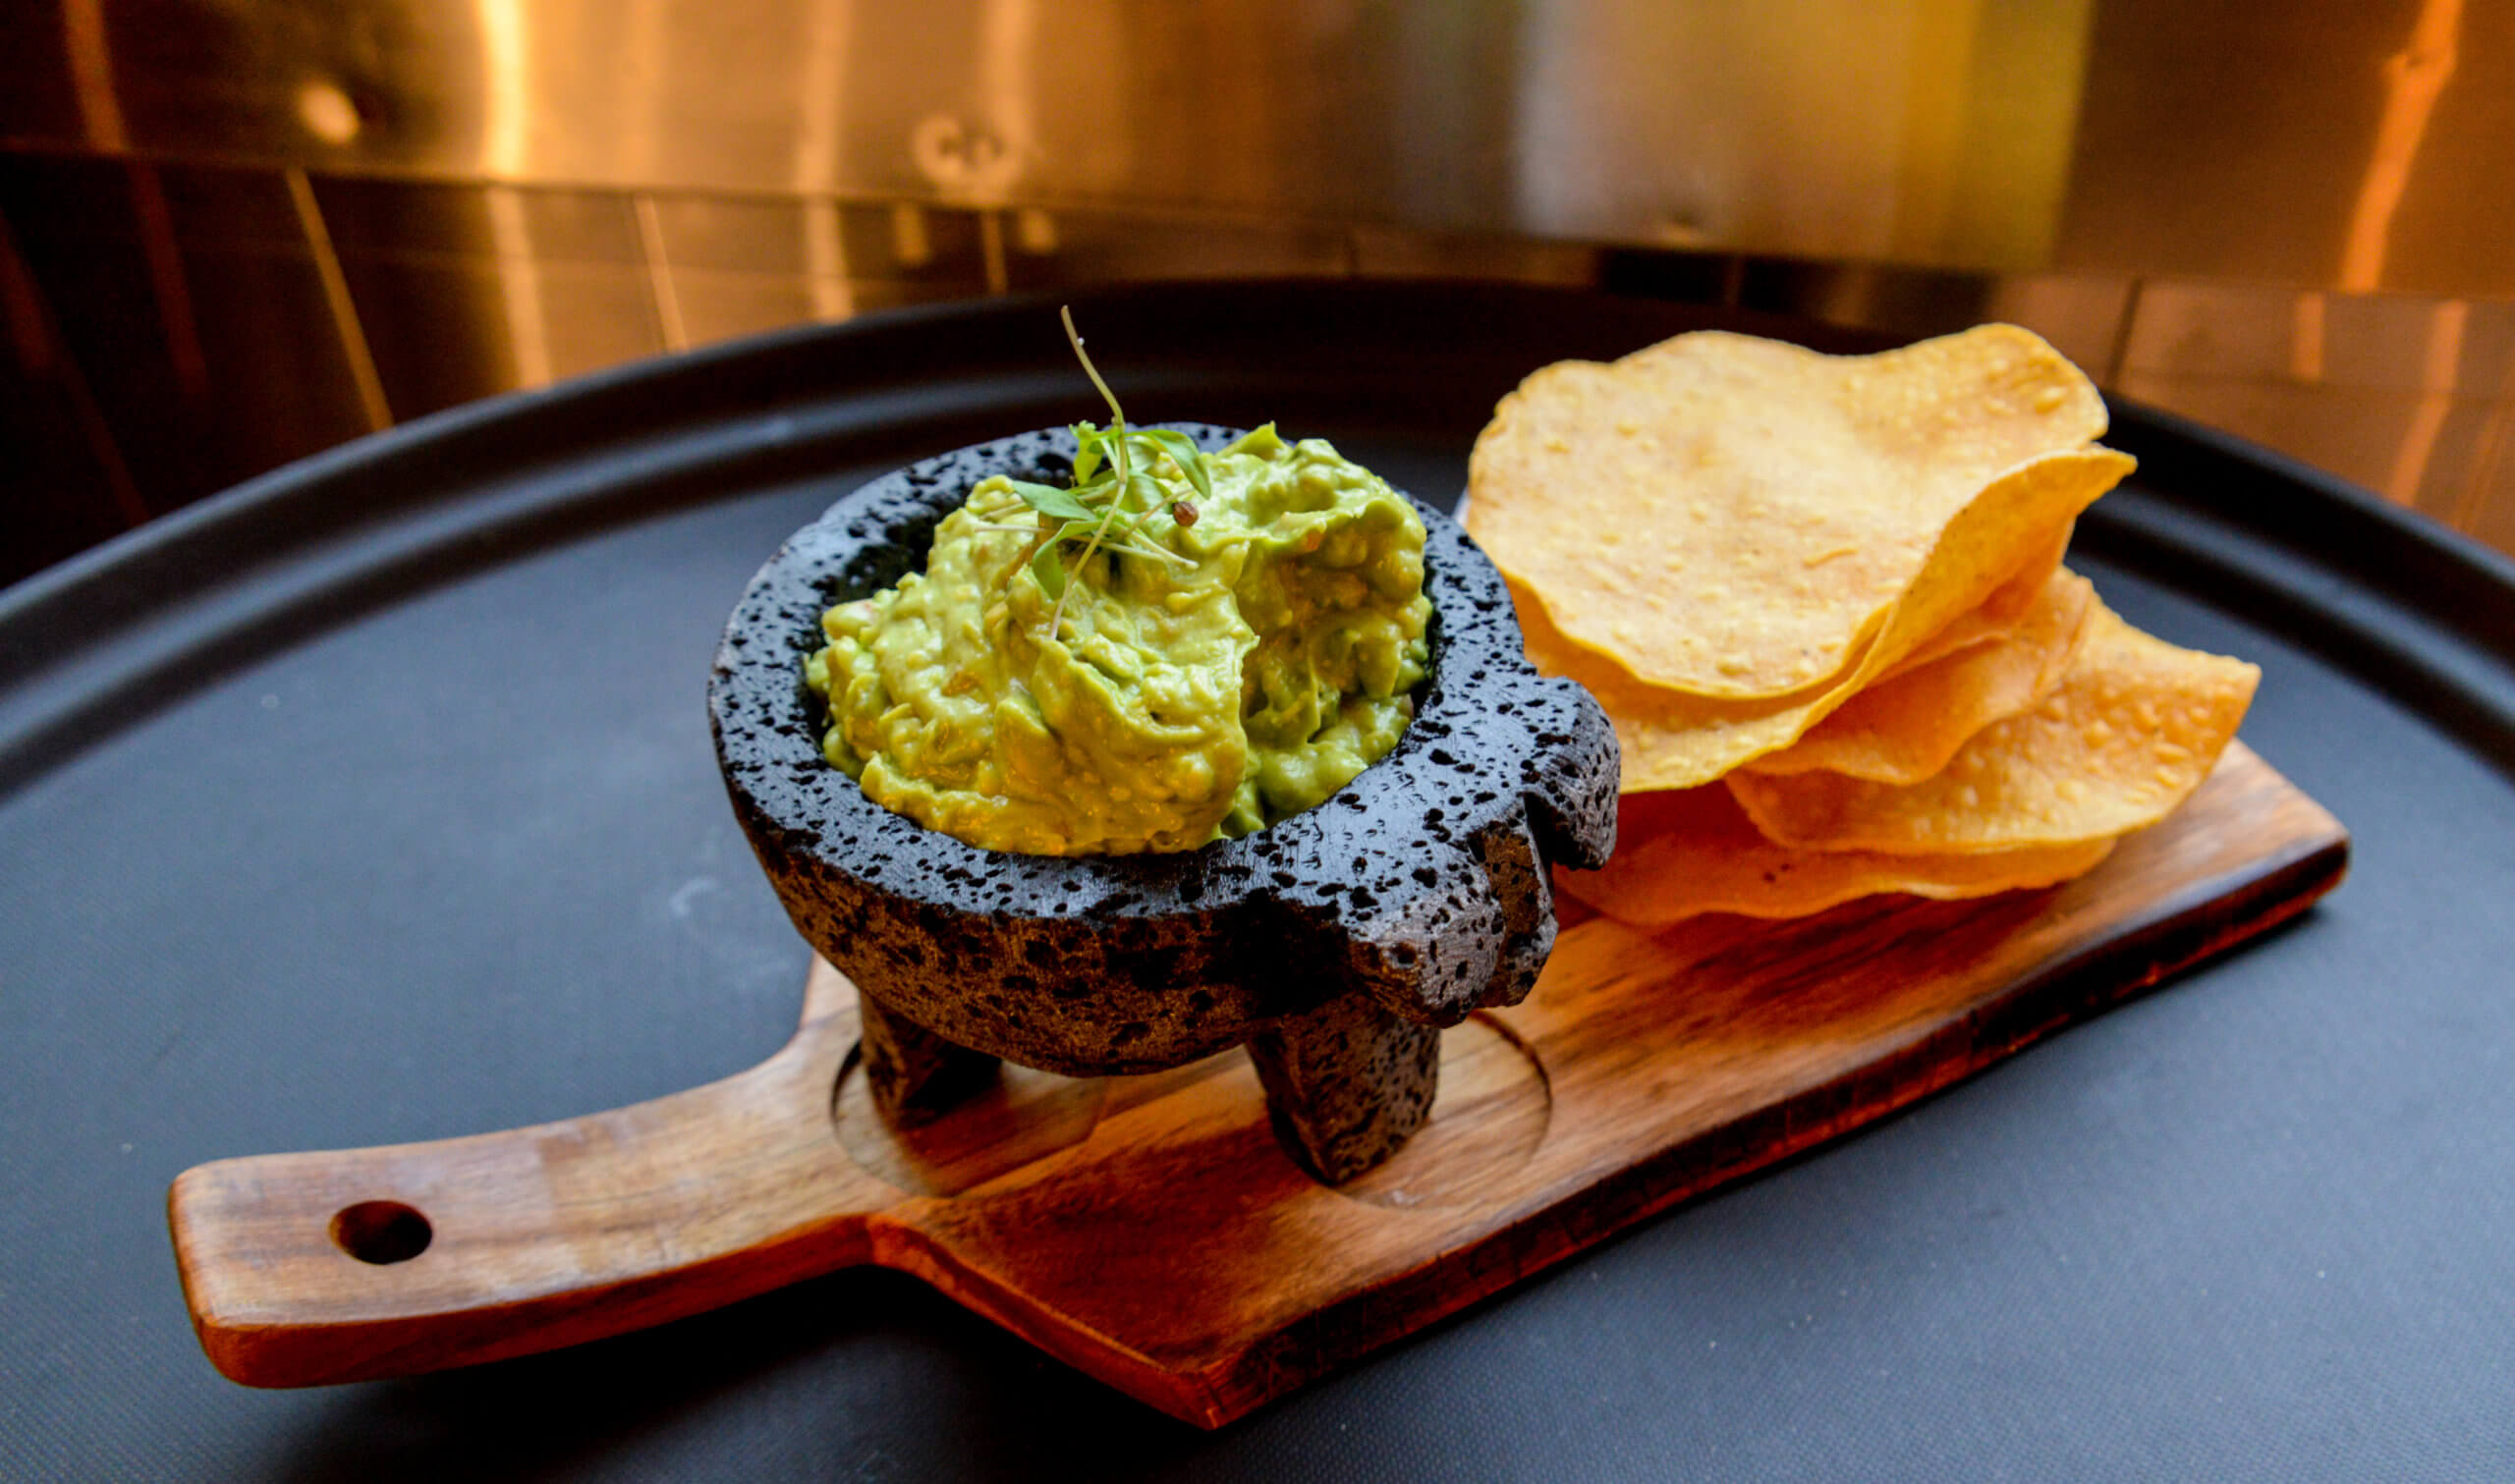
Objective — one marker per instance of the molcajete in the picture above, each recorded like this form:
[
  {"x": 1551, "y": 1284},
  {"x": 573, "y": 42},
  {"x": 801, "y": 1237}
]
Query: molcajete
[{"x": 1333, "y": 944}]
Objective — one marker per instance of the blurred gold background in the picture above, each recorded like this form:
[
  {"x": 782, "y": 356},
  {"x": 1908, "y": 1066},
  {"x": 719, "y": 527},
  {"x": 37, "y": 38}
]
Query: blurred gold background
[{"x": 236, "y": 232}]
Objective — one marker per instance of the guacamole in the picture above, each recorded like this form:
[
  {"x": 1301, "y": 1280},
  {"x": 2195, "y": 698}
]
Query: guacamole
[{"x": 1248, "y": 676}]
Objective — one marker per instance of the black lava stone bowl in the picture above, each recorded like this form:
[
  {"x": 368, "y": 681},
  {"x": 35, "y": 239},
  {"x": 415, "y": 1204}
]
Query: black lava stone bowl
[{"x": 1334, "y": 944}]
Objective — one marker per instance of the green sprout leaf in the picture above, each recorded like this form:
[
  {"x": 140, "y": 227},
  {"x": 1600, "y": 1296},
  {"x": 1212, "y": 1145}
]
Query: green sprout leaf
[
  {"x": 1088, "y": 452},
  {"x": 1057, "y": 504},
  {"x": 1047, "y": 564},
  {"x": 1183, "y": 450}
]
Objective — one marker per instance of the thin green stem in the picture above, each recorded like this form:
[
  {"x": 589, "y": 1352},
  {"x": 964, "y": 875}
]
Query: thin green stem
[
  {"x": 1149, "y": 548},
  {"x": 1116, "y": 418},
  {"x": 1118, "y": 431}
]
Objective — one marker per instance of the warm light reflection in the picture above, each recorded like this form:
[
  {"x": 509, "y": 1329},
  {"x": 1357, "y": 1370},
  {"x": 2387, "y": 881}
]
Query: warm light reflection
[
  {"x": 1004, "y": 80},
  {"x": 644, "y": 56},
  {"x": 2413, "y": 79},
  {"x": 2305, "y": 337},
  {"x": 829, "y": 31},
  {"x": 336, "y": 301},
  {"x": 2442, "y": 357},
  {"x": 505, "y": 138},
  {"x": 910, "y": 243},
  {"x": 92, "y": 74},
  {"x": 659, "y": 282},
  {"x": 22, "y": 308},
  {"x": 1904, "y": 130},
  {"x": 828, "y": 28},
  {"x": 2495, "y": 437},
  {"x": 327, "y": 112},
  {"x": 505, "y": 92},
  {"x": 825, "y": 260},
  {"x": 519, "y": 285}
]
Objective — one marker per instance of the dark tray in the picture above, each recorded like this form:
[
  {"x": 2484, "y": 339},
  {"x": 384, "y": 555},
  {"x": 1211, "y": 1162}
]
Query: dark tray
[{"x": 373, "y": 801}]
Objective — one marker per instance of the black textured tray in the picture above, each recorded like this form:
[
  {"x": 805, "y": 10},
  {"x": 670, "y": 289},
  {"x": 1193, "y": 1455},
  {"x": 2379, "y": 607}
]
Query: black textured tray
[{"x": 373, "y": 801}]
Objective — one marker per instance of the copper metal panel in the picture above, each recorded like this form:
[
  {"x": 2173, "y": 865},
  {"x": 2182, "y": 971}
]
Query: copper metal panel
[
  {"x": 2391, "y": 341},
  {"x": 1391, "y": 252},
  {"x": 67, "y": 488},
  {"x": 475, "y": 221},
  {"x": 190, "y": 301},
  {"x": 68, "y": 198},
  {"x": 122, "y": 312},
  {"x": 57, "y": 500},
  {"x": 2334, "y": 144},
  {"x": 41, "y": 103},
  {"x": 1043, "y": 248},
  {"x": 1695, "y": 278},
  {"x": 409, "y": 203},
  {"x": 230, "y": 207},
  {"x": 1933, "y": 130},
  {"x": 1907, "y": 300},
  {"x": 280, "y": 387},
  {"x": 2489, "y": 510},
  {"x": 2081, "y": 313},
  {"x": 2412, "y": 447},
  {"x": 2323, "y": 142},
  {"x": 447, "y": 329},
  {"x": 741, "y": 234},
  {"x": 820, "y": 237},
  {"x": 2402, "y": 393},
  {"x": 718, "y": 307}
]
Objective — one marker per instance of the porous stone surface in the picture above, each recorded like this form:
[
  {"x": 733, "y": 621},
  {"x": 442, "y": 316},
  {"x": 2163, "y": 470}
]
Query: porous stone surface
[
  {"x": 1421, "y": 885},
  {"x": 1346, "y": 1085},
  {"x": 915, "y": 1076}
]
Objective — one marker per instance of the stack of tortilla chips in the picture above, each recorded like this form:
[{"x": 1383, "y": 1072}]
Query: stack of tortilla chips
[{"x": 1822, "y": 600}]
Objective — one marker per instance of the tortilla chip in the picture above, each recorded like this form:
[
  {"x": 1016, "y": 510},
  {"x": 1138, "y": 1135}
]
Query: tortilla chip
[
  {"x": 1998, "y": 615},
  {"x": 2135, "y": 726},
  {"x": 1673, "y": 739},
  {"x": 1693, "y": 851},
  {"x": 1907, "y": 726},
  {"x": 1735, "y": 517}
]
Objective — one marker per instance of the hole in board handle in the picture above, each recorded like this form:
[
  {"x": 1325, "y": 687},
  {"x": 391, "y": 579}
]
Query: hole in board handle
[{"x": 381, "y": 1232}]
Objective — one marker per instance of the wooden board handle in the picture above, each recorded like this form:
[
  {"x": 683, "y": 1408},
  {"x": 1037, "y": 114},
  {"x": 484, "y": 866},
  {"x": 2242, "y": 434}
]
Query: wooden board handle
[{"x": 344, "y": 1265}]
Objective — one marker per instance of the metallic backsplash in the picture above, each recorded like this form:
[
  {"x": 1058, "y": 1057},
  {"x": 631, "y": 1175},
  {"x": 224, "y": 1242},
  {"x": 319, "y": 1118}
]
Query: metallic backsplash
[{"x": 234, "y": 232}]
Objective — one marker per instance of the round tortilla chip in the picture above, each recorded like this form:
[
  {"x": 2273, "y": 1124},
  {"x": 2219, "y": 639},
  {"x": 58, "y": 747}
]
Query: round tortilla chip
[
  {"x": 2135, "y": 727},
  {"x": 1693, "y": 851},
  {"x": 1998, "y": 615},
  {"x": 1675, "y": 740},
  {"x": 1735, "y": 517},
  {"x": 1907, "y": 726}
]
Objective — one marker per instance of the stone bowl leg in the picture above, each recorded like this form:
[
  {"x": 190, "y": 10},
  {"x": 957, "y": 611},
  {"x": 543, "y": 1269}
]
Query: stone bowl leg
[
  {"x": 1346, "y": 1083},
  {"x": 916, "y": 1075}
]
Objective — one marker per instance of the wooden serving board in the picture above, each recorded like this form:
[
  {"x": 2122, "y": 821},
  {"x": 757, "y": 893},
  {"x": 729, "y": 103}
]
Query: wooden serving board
[{"x": 1147, "y": 1230}]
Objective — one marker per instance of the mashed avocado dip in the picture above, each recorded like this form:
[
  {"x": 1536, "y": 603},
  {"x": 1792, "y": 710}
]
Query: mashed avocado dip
[{"x": 1247, "y": 675}]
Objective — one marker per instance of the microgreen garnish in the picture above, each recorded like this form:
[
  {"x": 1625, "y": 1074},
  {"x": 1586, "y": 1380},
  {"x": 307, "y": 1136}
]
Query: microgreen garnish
[{"x": 1113, "y": 491}]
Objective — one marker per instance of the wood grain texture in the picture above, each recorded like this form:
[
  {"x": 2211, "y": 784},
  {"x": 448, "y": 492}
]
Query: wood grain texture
[{"x": 1148, "y": 1229}]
